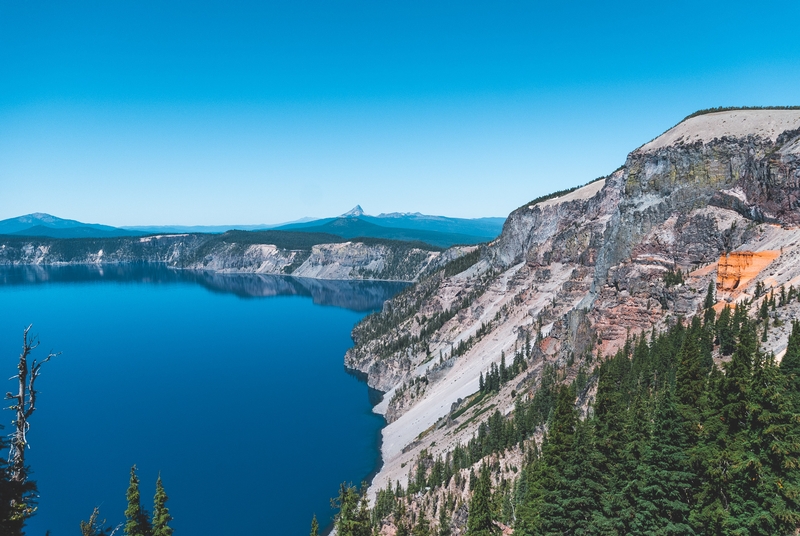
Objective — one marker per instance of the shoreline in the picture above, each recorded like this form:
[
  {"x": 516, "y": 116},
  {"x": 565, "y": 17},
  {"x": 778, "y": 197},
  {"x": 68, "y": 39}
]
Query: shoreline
[
  {"x": 371, "y": 393},
  {"x": 197, "y": 270}
]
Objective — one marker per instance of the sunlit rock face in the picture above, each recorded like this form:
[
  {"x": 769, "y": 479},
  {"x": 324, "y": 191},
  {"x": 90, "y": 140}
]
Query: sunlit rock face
[
  {"x": 351, "y": 260},
  {"x": 712, "y": 201},
  {"x": 735, "y": 270}
]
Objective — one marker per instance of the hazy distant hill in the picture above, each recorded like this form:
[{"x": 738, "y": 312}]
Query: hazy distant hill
[
  {"x": 155, "y": 229},
  {"x": 40, "y": 224},
  {"x": 437, "y": 231}
]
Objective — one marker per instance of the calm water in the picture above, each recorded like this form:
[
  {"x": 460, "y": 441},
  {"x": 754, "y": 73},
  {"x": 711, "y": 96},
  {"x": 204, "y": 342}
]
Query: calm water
[{"x": 232, "y": 387}]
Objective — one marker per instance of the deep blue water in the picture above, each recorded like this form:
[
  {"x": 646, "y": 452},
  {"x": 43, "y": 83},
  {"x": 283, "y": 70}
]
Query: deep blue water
[{"x": 232, "y": 387}]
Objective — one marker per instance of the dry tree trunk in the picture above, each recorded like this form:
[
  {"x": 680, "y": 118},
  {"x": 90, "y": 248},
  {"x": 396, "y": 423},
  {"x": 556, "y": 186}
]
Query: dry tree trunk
[{"x": 24, "y": 404}]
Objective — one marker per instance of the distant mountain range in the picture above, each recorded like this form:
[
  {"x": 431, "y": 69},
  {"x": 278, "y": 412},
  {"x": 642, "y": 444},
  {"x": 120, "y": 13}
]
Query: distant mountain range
[
  {"x": 435, "y": 230},
  {"x": 40, "y": 224}
]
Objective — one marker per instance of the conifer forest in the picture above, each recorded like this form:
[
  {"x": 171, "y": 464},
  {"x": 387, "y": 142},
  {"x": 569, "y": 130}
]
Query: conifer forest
[{"x": 691, "y": 431}]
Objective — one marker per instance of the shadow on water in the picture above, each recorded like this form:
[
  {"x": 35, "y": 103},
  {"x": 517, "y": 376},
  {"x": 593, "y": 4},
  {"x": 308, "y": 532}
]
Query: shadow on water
[{"x": 354, "y": 295}]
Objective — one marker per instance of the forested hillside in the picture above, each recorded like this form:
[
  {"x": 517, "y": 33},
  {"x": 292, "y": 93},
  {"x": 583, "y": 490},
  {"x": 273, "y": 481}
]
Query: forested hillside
[{"x": 695, "y": 430}]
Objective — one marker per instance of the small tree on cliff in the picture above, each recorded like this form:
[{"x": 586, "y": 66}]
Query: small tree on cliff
[
  {"x": 353, "y": 518},
  {"x": 480, "y": 522},
  {"x": 137, "y": 523},
  {"x": 161, "y": 517}
]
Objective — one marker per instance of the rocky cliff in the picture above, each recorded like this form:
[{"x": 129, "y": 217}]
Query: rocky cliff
[
  {"x": 298, "y": 254},
  {"x": 575, "y": 276}
]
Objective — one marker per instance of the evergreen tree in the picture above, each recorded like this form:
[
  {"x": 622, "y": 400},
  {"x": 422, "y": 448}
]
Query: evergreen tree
[
  {"x": 353, "y": 518},
  {"x": 790, "y": 366},
  {"x": 444, "y": 520},
  {"x": 422, "y": 527},
  {"x": 582, "y": 485},
  {"x": 529, "y": 496},
  {"x": 708, "y": 306},
  {"x": 314, "y": 526},
  {"x": 665, "y": 474},
  {"x": 402, "y": 528},
  {"x": 739, "y": 318},
  {"x": 724, "y": 450},
  {"x": 554, "y": 515},
  {"x": 725, "y": 332},
  {"x": 161, "y": 516},
  {"x": 137, "y": 522},
  {"x": 479, "y": 521},
  {"x": 692, "y": 373},
  {"x": 770, "y": 492}
]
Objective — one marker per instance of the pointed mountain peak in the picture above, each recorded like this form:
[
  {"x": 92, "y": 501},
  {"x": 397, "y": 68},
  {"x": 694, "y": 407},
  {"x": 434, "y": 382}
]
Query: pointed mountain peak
[{"x": 354, "y": 212}]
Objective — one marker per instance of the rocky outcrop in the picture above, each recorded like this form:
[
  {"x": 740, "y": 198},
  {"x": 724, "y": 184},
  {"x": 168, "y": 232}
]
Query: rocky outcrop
[{"x": 735, "y": 270}]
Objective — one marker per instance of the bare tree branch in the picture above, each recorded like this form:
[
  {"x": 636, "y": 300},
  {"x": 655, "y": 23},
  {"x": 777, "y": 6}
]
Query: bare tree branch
[{"x": 24, "y": 403}]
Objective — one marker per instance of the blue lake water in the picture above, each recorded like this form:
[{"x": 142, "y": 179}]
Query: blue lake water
[{"x": 231, "y": 386}]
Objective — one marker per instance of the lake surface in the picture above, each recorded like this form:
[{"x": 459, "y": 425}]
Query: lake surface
[{"x": 231, "y": 386}]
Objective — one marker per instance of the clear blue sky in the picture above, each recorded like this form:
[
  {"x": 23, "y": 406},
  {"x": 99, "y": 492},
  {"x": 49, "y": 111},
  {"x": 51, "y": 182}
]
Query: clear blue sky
[{"x": 139, "y": 112}]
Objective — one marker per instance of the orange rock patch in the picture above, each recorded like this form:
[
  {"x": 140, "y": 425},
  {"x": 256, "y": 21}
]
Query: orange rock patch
[{"x": 736, "y": 270}]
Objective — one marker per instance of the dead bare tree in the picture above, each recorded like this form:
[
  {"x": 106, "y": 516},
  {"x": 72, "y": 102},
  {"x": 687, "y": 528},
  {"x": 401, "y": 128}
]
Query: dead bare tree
[
  {"x": 95, "y": 527},
  {"x": 24, "y": 404}
]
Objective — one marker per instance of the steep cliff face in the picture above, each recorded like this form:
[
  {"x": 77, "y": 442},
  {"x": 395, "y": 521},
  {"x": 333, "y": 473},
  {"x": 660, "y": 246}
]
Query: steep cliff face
[
  {"x": 238, "y": 253},
  {"x": 168, "y": 249},
  {"x": 578, "y": 274}
]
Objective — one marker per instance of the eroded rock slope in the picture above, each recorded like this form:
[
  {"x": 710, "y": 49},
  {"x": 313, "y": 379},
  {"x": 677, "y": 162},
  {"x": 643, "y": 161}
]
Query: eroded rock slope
[{"x": 574, "y": 276}]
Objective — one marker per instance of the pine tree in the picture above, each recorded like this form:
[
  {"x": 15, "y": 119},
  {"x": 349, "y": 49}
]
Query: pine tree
[
  {"x": 790, "y": 366},
  {"x": 529, "y": 496},
  {"x": 137, "y": 522},
  {"x": 692, "y": 372},
  {"x": 314, "y": 526},
  {"x": 479, "y": 521},
  {"x": 353, "y": 518},
  {"x": 739, "y": 318},
  {"x": 582, "y": 484},
  {"x": 444, "y": 520},
  {"x": 554, "y": 514},
  {"x": 738, "y": 379},
  {"x": 769, "y": 493},
  {"x": 666, "y": 477},
  {"x": 725, "y": 333},
  {"x": 763, "y": 311},
  {"x": 161, "y": 517},
  {"x": 422, "y": 527},
  {"x": 725, "y": 445},
  {"x": 708, "y": 306}
]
